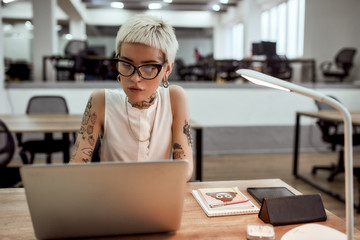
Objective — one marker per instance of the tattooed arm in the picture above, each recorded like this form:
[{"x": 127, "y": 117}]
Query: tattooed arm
[
  {"x": 182, "y": 140},
  {"x": 91, "y": 125}
]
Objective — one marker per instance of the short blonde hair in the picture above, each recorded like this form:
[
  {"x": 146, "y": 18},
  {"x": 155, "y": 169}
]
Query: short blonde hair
[{"x": 151, "y": 31}]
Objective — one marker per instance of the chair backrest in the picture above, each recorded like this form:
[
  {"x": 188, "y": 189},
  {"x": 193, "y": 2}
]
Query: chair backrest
[
  {"x": 345, "y": 57},
  {"x": 7, "y": 145},
  {"x": 97, "y": 151},
  {"x": 47, "y": 104},
  {"x": 279, "y": 66},
  {"x": 328, "y": 128},
  {"x": 74, "y": 47}
]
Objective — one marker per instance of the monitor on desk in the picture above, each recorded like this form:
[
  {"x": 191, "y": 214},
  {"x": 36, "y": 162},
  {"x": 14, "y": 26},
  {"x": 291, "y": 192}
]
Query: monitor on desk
[
  {"x": 257, "y": 49},
  {"x": 264, "y": 48},
  {"x": 269, "y": 48}
]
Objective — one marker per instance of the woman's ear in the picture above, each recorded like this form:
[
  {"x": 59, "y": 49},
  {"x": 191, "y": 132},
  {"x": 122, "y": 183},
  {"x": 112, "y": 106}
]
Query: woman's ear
[{"x": 169, "y": 68}]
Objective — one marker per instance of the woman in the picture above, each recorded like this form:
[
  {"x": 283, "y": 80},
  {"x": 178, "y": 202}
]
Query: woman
[{"x": 145, "y": 121}]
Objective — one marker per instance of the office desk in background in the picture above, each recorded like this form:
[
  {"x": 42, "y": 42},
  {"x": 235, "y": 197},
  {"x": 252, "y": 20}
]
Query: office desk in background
[
  {"x": 326, "y": 115},
  {"x": 67, "y": 123},
  {"x": 305, "y": 62},
  {"x": 15, "y": 221}
]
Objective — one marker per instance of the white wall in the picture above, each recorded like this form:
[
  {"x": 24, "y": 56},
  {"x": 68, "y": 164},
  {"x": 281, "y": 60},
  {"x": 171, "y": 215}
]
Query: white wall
[
  {"x": 213, "y": 107},
  {"x": 329, "y": 26}
]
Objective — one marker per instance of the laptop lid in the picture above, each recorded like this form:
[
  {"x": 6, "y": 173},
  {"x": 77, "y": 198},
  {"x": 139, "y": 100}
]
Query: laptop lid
[{"x": 103, "y": 199}]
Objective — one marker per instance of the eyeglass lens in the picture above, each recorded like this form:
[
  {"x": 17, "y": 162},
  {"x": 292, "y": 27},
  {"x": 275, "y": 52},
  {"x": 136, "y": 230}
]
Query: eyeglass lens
[{"x": 149, "y": 71}]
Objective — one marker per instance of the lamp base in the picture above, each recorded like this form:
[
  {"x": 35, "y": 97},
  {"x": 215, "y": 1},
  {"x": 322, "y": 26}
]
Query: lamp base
[{"x": 314, "y": 231}]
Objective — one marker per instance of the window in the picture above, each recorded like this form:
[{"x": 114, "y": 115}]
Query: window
[
  {"x": 284, "y": 24},
  {"x": 237, "y": 41}
]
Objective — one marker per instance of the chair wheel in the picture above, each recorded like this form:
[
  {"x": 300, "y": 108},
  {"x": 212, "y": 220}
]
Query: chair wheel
[{"x": 331, "y": 178}]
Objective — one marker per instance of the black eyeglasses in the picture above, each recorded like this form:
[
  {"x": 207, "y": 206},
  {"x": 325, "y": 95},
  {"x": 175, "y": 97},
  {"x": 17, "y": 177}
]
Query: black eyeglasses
[{"x": 146, "y": 71}]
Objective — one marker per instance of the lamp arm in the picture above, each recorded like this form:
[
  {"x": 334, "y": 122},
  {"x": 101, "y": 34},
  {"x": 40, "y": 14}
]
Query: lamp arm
[
  {"x": 269, "y": 81},
  {"x": 348, "y": 150}
]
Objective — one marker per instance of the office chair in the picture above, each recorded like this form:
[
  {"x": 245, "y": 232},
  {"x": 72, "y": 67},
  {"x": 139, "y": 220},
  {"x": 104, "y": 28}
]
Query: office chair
[
  {"x": 332, "y": 134},
  {"x": 226, "y": 69},
  {"x": 9, "y": 176},
  {"x": 48, "y": 145},
  {"x": 97, "y": 151},
  {"x": 278, "y": 66},
  {"x": 7, "y": 145},
  {"x": 341, "y": 66},
  {"x": 73, "y": 61}
]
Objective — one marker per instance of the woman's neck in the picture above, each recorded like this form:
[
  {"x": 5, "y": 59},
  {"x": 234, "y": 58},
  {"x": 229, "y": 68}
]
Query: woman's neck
[{"x": 146, "y": 103}]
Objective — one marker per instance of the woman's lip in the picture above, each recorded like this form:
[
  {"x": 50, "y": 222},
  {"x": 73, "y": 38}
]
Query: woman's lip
[{"x": 135, "y": 89}]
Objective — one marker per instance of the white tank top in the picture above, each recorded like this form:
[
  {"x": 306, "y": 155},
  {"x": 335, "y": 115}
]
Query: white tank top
[{"x": 154, "y": 124}]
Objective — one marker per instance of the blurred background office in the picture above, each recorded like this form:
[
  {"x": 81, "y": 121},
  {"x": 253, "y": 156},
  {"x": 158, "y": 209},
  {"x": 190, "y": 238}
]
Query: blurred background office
[{"x": 303, "y": 33}]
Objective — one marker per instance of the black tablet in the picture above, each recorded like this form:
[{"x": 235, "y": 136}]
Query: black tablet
[{"x": 269, "y": 192}]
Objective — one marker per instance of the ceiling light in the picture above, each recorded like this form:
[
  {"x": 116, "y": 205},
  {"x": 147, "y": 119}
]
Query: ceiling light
[
  {"x": 117, "y": 4},
  {"x": 153, "y": 6},
  {"x": 216, "y": 7},
  {"x": 67, "y": 36},
  {"x": 167, "y": 1},
  {"x": 7, "y": 1},
  {"x": 224, "y": 1},
  {"x": 7, "y": 27},
  {"x": 28, "y": 25}
]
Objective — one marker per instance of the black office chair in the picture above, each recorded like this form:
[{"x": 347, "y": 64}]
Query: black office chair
[
  {"x": 48, "y": 145},
  {"x": 278, "y": 66},
  {"x": 97, "y": 151},
  {"x": 9, "y": 176},
  {"x": 226, "y": 69},
  {"x": 7, "y": 145},
  {"x": 332, "y": 134},
  {"x": 75, "y": 51},
  {"x": 341, "y": 66}
]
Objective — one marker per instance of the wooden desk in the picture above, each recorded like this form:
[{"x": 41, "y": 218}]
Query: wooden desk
[
  {"x": 67, "y": 123},
  {"x": 15, "y": 221},
  {"x": 327, "y": 115}
]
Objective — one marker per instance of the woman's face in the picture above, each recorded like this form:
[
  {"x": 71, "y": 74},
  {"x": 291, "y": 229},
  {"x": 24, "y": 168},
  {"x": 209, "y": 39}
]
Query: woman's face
[{"x": 137, "y": 88}]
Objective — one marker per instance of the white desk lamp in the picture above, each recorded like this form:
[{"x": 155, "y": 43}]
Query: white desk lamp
[{"x": 272, "y": 82}]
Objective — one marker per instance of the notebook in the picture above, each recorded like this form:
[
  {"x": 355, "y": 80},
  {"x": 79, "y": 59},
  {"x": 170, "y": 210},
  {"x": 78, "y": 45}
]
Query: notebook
[
  {"x": 104, "y": 199},
  {"x": 224, "y": 201}
]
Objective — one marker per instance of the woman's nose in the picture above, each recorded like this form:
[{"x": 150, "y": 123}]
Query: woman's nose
[{"x": 136, "y": 77}]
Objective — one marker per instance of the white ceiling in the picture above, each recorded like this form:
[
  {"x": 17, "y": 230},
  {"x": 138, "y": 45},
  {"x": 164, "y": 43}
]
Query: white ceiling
[{"x": 175, "y": 5}]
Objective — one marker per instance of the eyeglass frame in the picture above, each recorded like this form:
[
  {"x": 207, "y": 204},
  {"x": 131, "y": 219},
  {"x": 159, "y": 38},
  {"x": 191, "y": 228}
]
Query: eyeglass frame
[{"x": 158, "y": 66}]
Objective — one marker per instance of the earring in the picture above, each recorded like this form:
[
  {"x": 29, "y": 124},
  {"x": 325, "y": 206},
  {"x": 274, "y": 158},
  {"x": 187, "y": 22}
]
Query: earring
[
  {"x": 165, "y": 83},
  {"x": 118, "y": 78}
]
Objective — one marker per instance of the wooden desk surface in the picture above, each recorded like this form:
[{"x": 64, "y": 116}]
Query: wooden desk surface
[
  {"x": 15, "y": 221},
  {"x": 32, "y": 123},
  {"x": 332, "y": 115}
]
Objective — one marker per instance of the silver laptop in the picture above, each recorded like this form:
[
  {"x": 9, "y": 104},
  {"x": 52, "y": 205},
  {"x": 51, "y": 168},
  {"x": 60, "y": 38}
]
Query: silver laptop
[{"x": 105, "y": 199}]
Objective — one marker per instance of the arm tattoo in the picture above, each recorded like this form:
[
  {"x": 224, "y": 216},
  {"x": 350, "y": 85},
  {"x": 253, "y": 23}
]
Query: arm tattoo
[
  {"x": 74, "y": 151},
  {"x": 86, "y": 131},
  {"x": 178, "y": 152},
  {"x": 87, "y": 151},
  {"x": 187, "y": 132}
]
